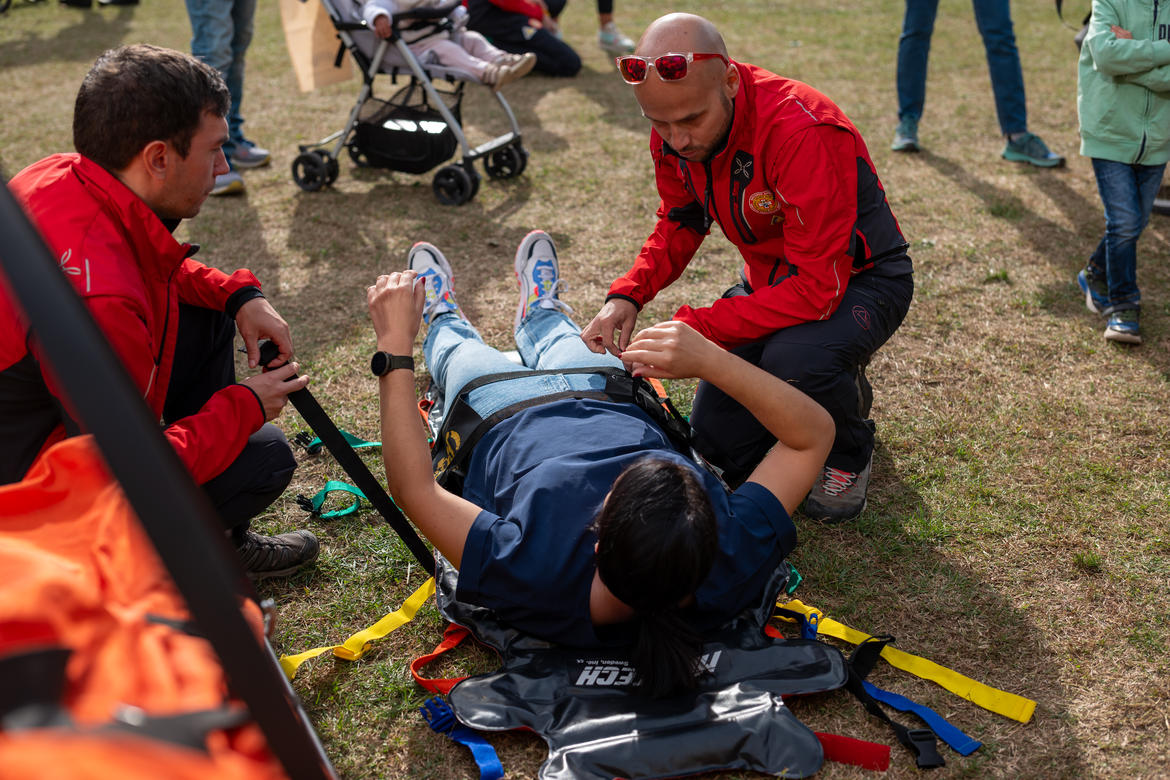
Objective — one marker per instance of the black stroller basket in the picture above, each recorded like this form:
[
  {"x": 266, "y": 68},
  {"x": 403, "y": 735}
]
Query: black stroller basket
[
  {"x": 419, "y": 127},
  {"x": 405, "y": 133}
]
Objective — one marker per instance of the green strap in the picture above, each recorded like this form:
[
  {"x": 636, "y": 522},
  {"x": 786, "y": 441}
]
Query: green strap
[
  {"x": 314, "y": 445},
  {"x": 316, "y": 502}
]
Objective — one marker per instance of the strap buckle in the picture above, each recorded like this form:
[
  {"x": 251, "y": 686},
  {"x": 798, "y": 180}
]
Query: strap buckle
[
  {"x": 925, "y": 748},
  {"x": 438, "y": 715}
]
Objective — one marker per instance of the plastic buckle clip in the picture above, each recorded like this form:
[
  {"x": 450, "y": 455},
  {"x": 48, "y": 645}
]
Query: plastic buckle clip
[{"x": 925, "y": 748}]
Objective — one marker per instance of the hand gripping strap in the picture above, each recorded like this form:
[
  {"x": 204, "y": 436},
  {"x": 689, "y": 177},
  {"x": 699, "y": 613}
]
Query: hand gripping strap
[
  {"x": 992, "y": 699},
  {"x": 353, "y": 648},
  {"x": 452, "y": 637},
  {"x": 442, "y": 721}
]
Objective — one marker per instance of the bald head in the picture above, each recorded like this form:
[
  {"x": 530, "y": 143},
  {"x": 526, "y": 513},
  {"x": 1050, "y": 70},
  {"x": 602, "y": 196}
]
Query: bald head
[{"x": 680, "y": 33}]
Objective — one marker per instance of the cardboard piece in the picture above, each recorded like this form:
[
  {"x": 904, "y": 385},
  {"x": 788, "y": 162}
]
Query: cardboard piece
[{"x": 312, "y": 44}]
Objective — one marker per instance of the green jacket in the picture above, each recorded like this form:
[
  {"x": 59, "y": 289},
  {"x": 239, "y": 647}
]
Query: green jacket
[{"x": 1123, "y": 86}]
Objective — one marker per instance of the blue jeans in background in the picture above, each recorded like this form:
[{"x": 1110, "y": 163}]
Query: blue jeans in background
[
  {"x": 221, "y": 31},
  {"x": 1128, "y": 192},
  {"x": 994, "y": 19},
  {"x": 455, "y": 354}
]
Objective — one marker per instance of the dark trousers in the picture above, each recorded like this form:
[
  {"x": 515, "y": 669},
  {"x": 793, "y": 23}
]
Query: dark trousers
[
  {"x": 824, "y": 359},
  {"x": 204, "y": 363},
  {"x": 512, "y": 32}
]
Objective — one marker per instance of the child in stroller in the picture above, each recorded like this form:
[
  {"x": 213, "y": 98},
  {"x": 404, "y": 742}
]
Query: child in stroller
[{"x": 460, "y": 49}]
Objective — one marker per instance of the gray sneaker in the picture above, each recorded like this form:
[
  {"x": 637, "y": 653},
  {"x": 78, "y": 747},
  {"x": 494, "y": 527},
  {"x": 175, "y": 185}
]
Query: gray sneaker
[
  {"x": 276, "y": 556},
  {"x": 906, "y": 136},
  {"x": 838, "y": 495},
  {"x": 1028, "y": 148}
]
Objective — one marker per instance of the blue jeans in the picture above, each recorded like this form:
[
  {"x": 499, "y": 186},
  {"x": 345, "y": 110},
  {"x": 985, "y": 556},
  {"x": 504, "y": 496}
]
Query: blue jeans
[
  {"x": 547, "y": 339},
  {"x": 221, "y": 31},
  {"x": 994, "y": 19},
  {"x": 1128, "y": 192}
]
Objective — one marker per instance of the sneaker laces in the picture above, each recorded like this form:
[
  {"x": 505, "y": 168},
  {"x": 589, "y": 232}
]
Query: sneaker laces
[
  {"x": 1031, "y": 145},
  {"x": 549, "y": 296},
  {"x": 836, "y": 481}
]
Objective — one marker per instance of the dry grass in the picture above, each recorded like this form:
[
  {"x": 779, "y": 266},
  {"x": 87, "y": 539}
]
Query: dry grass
[{"x": 1017, "y": 524}]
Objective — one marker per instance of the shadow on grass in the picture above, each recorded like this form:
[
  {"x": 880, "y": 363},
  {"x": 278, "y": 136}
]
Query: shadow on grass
[
  {"x": 884, "y": 574},
  {"x": 92, "y": 32}
]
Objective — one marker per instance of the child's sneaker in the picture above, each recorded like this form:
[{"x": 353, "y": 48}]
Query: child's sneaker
[
  {"x": 538, "y": 273},
  {"x": 1028, "y": 148},
  {"x": 613, "y": 42},
  {"x": 1123, "y": 327},
  {"x": 508, "y": 68},
  {"x": 1096, "y": 292},
  {"x": 428, "y": 262}
]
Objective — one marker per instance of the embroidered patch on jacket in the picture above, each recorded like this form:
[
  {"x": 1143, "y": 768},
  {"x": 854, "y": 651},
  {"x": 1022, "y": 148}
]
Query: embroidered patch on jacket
[{"x": 763, "y": 202}]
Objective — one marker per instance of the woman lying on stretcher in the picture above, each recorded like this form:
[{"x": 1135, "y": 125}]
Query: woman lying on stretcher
[{"x": 579, "y": 522}]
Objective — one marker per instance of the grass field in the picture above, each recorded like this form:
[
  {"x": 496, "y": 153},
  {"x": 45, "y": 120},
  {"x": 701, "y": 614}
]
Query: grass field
[{"x": 1017, "y": 522}]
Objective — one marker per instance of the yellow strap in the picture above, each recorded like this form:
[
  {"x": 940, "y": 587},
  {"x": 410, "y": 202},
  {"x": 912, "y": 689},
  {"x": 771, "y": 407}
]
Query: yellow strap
[
  {"x": 1001, "y": 702},
  {"x": 353, "y": 648}
]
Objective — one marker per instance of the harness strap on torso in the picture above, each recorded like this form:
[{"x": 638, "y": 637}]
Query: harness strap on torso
[{"x": 442, "y": 721}]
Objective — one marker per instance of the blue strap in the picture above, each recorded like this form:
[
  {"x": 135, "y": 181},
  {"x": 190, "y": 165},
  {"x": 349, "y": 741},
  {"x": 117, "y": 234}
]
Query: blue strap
[
  {"x": 442, "y": 721},
  {"x": 954, "y": 737}
]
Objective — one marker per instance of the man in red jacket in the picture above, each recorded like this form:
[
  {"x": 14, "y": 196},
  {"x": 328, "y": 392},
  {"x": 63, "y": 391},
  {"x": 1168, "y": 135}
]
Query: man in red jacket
[
  {"x": 826, "y": 277},
  {"x": 148, "y": 126}
]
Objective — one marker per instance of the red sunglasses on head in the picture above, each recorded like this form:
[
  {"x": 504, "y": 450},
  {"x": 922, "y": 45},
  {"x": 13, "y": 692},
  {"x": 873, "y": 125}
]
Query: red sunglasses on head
[{"x": 671, "y": 66}]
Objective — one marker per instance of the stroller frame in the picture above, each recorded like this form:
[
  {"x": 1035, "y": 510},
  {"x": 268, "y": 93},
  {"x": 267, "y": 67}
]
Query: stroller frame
[{"x": 504, "y": 157}]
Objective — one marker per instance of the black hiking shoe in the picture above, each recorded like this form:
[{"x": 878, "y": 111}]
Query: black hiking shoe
[{"x": 276, "y": 556}]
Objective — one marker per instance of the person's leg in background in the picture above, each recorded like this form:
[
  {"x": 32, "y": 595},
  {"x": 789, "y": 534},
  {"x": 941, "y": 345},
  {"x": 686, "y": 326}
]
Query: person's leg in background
[
  {"x": 913, "y": 56},
  {"x": 514, "y": 33},
  {"x": 994, "y": 20},
  {"x": 825, "y": 360},
  {"x": 611, "y": 40},
  {"x": 204, "y": 364},
  {"x": 221, "y": 31}
]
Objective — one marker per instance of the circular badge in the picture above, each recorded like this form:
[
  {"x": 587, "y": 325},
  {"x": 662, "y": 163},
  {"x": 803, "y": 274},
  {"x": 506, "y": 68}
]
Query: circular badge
[{"x": 763, "y": 202}]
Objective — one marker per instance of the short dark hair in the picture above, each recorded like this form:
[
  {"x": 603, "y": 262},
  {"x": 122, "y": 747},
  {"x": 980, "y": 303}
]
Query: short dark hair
[
  {"x": 656, "y": 540},
  {"x": 141, "y": 93}
]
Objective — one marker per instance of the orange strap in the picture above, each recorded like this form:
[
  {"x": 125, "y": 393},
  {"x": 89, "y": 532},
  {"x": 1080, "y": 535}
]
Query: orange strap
[{"x": 452, "y": 637}]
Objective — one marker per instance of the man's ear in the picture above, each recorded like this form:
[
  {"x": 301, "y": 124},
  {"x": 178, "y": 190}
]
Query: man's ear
[
  {"x": 731, "y": 81},
  {"x": 155, "y": 159}
]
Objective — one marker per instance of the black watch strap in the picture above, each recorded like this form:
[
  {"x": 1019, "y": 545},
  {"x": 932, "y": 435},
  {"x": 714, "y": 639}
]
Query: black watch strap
[{"x": 382, "y": 363}]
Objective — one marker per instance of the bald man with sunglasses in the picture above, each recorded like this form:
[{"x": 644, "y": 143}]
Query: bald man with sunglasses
[{"x": 826, "y": 279}]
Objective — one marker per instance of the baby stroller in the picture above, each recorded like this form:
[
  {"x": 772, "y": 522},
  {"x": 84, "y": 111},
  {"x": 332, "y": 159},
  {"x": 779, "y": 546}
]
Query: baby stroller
[{"x": 419, "y": 127}]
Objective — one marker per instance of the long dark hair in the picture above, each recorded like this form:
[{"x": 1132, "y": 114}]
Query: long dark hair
[{"x": 656, "y": 540}]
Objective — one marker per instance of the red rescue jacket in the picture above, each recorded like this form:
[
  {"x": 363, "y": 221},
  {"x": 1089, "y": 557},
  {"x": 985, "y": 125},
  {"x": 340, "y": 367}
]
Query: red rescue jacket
[
  {"x": 132, "y": 274},
  {"x": 793, "y": 189}
]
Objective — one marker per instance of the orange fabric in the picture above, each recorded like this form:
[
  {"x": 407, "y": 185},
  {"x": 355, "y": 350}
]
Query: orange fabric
[
  {"x": 80, "y": 572},
  {"x": 452, "y": 637}
]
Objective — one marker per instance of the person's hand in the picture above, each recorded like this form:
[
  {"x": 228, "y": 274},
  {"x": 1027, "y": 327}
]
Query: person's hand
[
  {"x": 617, "y": 317},
  {"x": 274, "y": 386},
  {"x": 671, "y": 350},
  {"x": 1121, "y": 32},
  {"x": 257, "y": 320},
  {"x": 396, "y": 304},
  {"x": 382, "y": 26}
]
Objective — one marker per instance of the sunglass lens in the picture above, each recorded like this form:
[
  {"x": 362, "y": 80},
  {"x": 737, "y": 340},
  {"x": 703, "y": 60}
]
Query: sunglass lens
[
  {"x": 632, "y": 69},
  {"x": 671, "y": 67}
]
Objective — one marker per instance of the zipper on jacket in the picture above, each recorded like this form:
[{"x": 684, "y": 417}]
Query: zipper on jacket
[
  {"x": 709, "y": 198},
  {"x": 166, "y": 320}
]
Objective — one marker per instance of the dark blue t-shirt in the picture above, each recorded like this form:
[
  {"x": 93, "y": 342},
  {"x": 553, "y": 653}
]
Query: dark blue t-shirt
[{"x": 541, "y": 476}]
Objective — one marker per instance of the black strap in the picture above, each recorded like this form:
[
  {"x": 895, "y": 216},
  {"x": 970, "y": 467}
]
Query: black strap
[
  {"x": 920, "y": 742},
  {"x": 353, "y": 465},
  {"x": 175, "y": 513}
]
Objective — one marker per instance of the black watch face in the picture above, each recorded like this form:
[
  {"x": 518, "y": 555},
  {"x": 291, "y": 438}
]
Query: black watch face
[{"x": 379, "y": 363}]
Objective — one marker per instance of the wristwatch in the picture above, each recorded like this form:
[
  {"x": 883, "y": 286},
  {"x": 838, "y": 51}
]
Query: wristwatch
[{"x": 382, "y": 363}]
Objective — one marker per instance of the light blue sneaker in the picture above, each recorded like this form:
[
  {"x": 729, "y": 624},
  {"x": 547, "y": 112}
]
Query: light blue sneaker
[
  {"x": 539, "y": 276},
  {"x": 1028, "y": 148},
  {"x": 428, "y": 262},
  {"x": 1096, "y": 292},
  {"x": 1123, "y": 327},
  {"x": 906, "y": 136}
]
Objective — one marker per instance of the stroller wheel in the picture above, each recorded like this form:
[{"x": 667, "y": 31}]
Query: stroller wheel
[
  {"x": 358, "y": 156},
  {"x": 453, "y": 185},
  {"x": 311, "y": 171},
  {"x": 506, "y": 163},
  {"x": 331, "y": 167}
]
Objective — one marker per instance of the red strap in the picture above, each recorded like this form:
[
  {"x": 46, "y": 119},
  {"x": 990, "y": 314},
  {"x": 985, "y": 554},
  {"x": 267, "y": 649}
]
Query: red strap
[
  {"x": 772, "y": 631},
  {"x": 452, "y": 637},
  {"x": 856, "y": 752}
]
